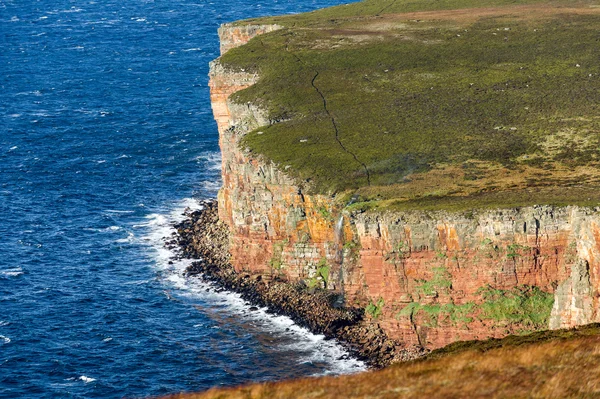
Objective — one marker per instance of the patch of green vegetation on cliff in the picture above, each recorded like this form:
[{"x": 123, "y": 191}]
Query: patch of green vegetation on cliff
[
  {"x": 525, "y": 307},
  {"x": 436, "y": 313},
  {"x": 440, "y": 282},
  {"x": 321, "y": 276},
  {"x": 375, "y": 309},
  {"x": 414, "y": 112},
  {"x": 276, "y": 261}
]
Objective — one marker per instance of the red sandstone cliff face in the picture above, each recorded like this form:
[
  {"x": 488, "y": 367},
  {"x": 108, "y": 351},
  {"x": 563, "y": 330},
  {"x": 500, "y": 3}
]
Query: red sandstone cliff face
[
  {"x": 234, "y": 36},
  {"x": 425, "y": 274}
]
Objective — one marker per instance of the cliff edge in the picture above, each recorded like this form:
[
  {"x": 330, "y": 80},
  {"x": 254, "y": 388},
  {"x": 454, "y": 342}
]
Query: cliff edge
[{"x": 472, "y": 260}]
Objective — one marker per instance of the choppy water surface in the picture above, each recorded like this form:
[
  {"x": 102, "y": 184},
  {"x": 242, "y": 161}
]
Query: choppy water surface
[{"x": 105, "y": 135}]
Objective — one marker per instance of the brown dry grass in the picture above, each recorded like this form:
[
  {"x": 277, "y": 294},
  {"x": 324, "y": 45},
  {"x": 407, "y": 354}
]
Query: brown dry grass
[
  {"x": 551, "y": 369},
  {"x": 390, "y": 25},
  {"x": 476, "y": 177},
  {"x": 529, "y": 11},
  {"x": 404, "y": 21}
]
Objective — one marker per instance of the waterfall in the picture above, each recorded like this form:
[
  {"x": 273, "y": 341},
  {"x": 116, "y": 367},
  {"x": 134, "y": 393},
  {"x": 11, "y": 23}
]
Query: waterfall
[{"x": 338, "y": 230}]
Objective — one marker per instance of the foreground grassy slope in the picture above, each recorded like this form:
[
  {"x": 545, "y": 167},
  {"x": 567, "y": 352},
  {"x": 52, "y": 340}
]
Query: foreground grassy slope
[
  {"x": 433, "y": 108},
  {"x": 551, "y": 364}
]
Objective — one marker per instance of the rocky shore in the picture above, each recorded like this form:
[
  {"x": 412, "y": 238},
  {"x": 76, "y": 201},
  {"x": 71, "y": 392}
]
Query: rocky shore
[{"x": 202, "y": 236}]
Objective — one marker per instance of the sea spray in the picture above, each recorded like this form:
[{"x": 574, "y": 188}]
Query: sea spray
[
  {"x": 174, "y": 264},
  {"x": 204, "y": 236}
]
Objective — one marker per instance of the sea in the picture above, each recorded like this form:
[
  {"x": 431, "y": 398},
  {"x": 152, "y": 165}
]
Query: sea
[{"x": 106, "y": 137}]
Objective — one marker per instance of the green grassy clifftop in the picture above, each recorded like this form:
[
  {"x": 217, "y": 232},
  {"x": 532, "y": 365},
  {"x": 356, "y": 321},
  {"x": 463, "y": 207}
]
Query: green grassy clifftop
[{"x": 429, "y": 104}]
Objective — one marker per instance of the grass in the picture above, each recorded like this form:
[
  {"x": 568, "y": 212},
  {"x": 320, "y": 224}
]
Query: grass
[
  {"x": 346, "y": 15},
  {"x": 550, "y": 364},
  {"x": 432, "y": 110},
  {"x": 321, "y": 277},
  {"x": 375, "y": 309},
  {"x": 522, "y": 308},
  {"x": 449, "y": 313},
  {"x": 276, "y": 261},
  {"x": 441, "y": 281},
  {"x": 587, "y": 196},
  {"x": 528, "y": 307}
]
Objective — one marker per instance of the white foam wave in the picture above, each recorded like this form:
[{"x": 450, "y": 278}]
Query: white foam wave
[
  {"x": 117, "y": 211},
  {"x": 159, "y": 227},
  {"x": 4, "y": 340},
  {"x": 193, "y": 49},
  {"x": 4, "y": 323},
  {"x": 36, "y": 93},
  {"x": 210, "y": 161},
  {"x": 130, "y": 238},
  {"x": 110, "y": 228},
  {"x": 138, "y": 282},
  {"x": 314, "y": 348},
  {"x": 14, "y": 272},
  {"x": 86, "y": 379},
  {"x": 211, "y": 187}
]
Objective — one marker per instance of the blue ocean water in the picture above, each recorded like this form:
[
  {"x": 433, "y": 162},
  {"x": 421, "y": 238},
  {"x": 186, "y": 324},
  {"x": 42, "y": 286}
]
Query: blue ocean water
[{"x": 106, "y": 134}]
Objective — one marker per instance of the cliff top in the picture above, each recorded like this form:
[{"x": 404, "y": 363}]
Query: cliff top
[
  {"x": 421, "y": 104},
  {"x": 544, "y": 364}
]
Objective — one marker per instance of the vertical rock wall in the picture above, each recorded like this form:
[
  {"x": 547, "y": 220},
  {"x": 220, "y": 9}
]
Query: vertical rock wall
[
  {"x": 232, "y": 35},
  {"x": 448, "y": 259},
  {"x": 276, "y": 228},
  {"x": 423, "y": 276}
]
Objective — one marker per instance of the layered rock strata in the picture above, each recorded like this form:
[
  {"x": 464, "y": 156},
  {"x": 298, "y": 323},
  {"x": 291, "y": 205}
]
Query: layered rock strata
[
  {"x": 232, "y": 35},
  {"x": 203, "y": 236},
  {"x": 426, "y": 278}
]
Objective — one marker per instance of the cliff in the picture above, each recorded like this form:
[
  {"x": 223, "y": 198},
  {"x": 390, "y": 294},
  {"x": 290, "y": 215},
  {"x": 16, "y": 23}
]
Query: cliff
[{"x": 426, "y": 277}]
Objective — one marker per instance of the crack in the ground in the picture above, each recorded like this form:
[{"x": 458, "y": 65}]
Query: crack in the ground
[
  {"x": 333, "y": 122},
  {"x": 386, "y": 7},
  {"x": 335, "y": 128}
]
